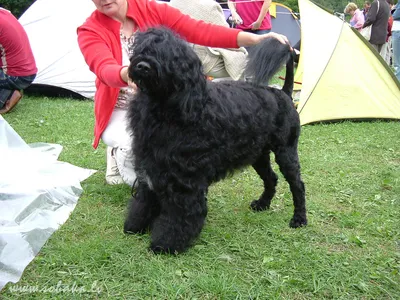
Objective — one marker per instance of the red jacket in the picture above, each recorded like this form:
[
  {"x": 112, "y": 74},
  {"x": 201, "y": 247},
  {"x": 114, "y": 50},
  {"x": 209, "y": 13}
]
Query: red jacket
[
  {"x": 16, "y": 57},
  {"x": 99, "y": 41}
]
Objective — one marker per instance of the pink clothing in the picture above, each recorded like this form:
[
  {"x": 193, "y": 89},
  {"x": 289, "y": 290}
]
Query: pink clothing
[
  {"x": 16, "y": 57},
  {"x": 357, "y": 21},
  {"x": 249, "y": 12}
]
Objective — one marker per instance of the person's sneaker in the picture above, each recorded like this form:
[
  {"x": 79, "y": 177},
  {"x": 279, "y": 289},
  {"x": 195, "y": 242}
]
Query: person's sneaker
[
  {"x": 112, "y": 173},
  {"x": 12, "y": 102}
]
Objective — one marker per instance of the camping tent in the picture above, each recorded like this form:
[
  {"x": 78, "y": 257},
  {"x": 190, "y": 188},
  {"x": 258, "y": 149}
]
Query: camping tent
[
  {"x": 342, "y": 76},
  {"x": 285, "y": 21},
  {"x": 51, "y": 28}
]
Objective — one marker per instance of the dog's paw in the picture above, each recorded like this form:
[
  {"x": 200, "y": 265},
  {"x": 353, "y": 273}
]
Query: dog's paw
[
  {"x": 132, "y": 228},
  {"x": 257, "y": 206},
  {"x": 157, "y": 249},
  {"x": 298, "y": 221}
]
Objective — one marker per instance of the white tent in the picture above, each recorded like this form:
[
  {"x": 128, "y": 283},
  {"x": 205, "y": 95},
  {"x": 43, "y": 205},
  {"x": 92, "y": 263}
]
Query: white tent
[{"x": 51, "y": 27}]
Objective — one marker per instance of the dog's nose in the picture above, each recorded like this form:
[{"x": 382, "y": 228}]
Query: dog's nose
[{"x": 143, "y": 66}]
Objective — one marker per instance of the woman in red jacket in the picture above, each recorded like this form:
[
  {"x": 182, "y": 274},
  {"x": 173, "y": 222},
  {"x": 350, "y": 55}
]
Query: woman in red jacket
[{"x": 105, "y": 40}]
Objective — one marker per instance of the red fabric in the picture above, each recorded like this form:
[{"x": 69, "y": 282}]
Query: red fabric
[
  {"x": 249, "y": 12},
  {"x": 390, "y": 25},
  {"x": 16, "y": 57},
  {"x": 100, "y": 44}
]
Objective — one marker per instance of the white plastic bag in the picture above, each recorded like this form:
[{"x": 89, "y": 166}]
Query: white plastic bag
[
  {"x": 366, "y": 32},
  {"x": 37, "y": 195}
]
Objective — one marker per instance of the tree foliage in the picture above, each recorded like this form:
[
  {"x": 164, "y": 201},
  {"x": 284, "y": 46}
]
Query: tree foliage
[{"x": 17, "y": 7}]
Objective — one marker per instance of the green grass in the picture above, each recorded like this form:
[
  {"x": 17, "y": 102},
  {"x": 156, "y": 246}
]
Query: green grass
[{"x": 349, "y": 250}]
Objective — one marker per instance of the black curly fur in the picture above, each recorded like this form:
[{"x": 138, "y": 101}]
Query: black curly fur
[{"x": 190, "y": 132}]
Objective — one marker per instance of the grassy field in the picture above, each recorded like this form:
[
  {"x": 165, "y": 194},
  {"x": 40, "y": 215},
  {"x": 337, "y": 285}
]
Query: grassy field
[{"x": 349, "y": 250}]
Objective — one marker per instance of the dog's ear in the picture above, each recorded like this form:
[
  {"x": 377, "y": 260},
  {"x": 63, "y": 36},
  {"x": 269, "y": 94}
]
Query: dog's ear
[{"x": 188, "y": 102}]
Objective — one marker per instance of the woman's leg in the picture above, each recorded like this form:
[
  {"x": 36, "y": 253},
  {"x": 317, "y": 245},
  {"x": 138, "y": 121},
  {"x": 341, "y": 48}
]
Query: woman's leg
[{"x": 118, "y": 137}]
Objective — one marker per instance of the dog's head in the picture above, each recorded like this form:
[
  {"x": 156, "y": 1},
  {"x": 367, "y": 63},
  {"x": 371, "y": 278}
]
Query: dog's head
[{"x": 163, "y": 65}]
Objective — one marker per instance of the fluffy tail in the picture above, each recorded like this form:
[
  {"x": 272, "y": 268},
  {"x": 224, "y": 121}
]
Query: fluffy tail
[{"x": 265, "y": 59}]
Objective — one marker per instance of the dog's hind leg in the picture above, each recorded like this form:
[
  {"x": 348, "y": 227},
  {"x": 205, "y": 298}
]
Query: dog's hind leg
[
  {"x": 264, "y": 170},
  {"x": 288, "y": 160},
  {"x": 144, "y": 207},
  {"x": 180, "y": 222}
]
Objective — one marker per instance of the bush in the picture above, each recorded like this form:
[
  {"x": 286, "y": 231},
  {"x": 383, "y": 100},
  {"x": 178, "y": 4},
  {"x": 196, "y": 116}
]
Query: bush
[{"x": 17, "y": 7}]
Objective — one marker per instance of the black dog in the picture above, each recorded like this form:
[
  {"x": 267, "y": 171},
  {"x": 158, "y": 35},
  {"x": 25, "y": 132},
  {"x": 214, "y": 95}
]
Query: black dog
[{"x": 190, "y": 132}]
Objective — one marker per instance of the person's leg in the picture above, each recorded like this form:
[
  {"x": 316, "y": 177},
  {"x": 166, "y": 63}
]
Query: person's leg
[
  {"x": 9, "y": 92},
  {"x": 119, "y": 139},
  {"x": 380, "y": 47},
  {"x": 384, "y": 52},
  {"x": 375, "y": 47},
  {"x": 11, "y": 102},
  {"x": 219, "y": 70},
  {"x": 10, "y": 87},
  {"x": 396, "y": 52},
  {"x": 5, "y": 89},
  {"x": 112, "y": 173},
  {"x": 4, "y": 96}
]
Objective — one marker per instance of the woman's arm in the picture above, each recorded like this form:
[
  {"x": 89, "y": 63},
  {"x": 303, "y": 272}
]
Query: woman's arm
[
  {"x": 232, "y": 7},
  {"x": 210, "y": 35},
  {"x": 359, "y": 20},
  {"x": 245, "y": 39},
  {"x": 263, "y": 12},
  {"x": 100, "y": 59}
]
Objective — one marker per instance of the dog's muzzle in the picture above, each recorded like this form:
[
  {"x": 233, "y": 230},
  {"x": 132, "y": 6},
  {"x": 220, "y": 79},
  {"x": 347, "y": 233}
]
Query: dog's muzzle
[{"x": 143, "y": 67}]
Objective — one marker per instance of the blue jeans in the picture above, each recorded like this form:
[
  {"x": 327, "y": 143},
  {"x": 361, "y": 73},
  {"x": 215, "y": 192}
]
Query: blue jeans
[
  {"x": 259, "y": 31},
  {"x": 8, "y": 84},
  {"x": 396, "y": 52}
]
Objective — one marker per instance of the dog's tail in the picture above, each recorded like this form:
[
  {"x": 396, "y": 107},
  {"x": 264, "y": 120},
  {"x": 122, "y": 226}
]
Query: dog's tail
[{"x": 265, "y": 59}]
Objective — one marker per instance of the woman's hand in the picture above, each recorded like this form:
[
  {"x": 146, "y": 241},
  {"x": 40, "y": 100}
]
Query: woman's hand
[
  {"x": 236, "y": 18},
  {"x": 280, "y": 37},
  {"x": 132, "y": 85},
  {"x": 256, "y": 25},
  {"x": 247, "y": 39},
  {"x": 125, "y": 77}
]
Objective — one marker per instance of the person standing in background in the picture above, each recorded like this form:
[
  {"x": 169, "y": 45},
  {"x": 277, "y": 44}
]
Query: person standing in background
[
  {"x": 378, "y": 17},
  {"x": 367, "y": 6},
  {"x": 251, "y": 16},
  {"x": 357, "y": 17},
  {"x": 396, "y": 39},
  {"x": 386, "y": 51}
]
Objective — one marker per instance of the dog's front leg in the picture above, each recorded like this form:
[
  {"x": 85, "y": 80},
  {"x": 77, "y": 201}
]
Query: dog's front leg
[
  {"x": 180, "y": 222},
  {"x": 144, "y": 207}
]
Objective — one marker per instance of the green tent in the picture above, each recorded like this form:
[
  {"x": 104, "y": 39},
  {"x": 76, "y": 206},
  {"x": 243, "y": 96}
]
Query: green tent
[{"x": 341, "y": 75}]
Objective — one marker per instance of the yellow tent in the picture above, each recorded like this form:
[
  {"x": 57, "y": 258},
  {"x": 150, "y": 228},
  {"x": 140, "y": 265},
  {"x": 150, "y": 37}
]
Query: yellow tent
[{"x": 342, "y": 76}]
